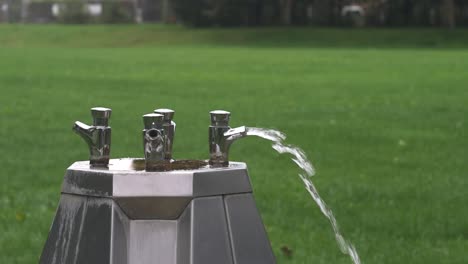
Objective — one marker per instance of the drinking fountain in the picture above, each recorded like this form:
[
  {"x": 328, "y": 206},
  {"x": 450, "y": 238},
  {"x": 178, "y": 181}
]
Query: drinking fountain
[
  {"x": 97, "y": 136},
  {"x": 169, "y": 129},
  {"x": 154, "y": 141},
  {"x": 221, "y": 136},
  {"x": 157, "y": 210}
]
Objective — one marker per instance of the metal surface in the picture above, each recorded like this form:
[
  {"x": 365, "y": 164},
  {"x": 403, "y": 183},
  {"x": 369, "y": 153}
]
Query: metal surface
[
  {"x": 120, "y": 237},
  {"x": 152, "y": 241},
  {"x": 169, "y": 208},
  {"x": 221, "y": 136},
  {"x": 153, "y": 140},
  {"x": 120, "y": 180},
  {"x": 206, "y": 227},
  {"x": 97, "y": 136},
  {"x": 169, "y": 130},
  {"x": 142, "y": 241},
  {"x": 80, "y": 233},
  {"x": 233, "y": 179},
  {"x": 122, "y": 216},
  {"x": 249, "y": 239}
]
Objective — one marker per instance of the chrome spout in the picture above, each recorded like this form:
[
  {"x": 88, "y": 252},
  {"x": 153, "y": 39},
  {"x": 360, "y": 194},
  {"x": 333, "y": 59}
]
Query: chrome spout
[
  {"x": 84, "y": 131},
  {"x": 221, "y": 136},
  {"x": 97, "y": 136},
  {"x": 169, "y": 129},
  {"x": 154, "y": 141},
  {"x": 236, "y": 133}
]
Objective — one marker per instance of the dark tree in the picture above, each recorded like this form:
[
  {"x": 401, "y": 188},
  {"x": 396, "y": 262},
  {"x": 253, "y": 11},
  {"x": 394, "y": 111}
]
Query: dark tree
[{"x": 448, "y": 13}]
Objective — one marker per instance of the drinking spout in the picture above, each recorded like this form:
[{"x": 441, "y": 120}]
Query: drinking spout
[
  {"x": 154, "y": 141},
  {"x": 97, "y": 136},
  {"x": 169, "y": 130},
  {"x": 84, "y": 131},
  {"x": 234, "y": 134},
  {"x": 221, "y": 136}
]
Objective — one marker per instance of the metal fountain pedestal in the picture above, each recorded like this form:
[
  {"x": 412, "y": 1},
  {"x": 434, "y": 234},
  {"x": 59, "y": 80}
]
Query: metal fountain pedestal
[
  {"x": 120, "y": 215},
  {"x": 163, "y": 212}
]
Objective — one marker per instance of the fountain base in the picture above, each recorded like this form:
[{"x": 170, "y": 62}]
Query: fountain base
[{"x": 124, "y": 216}]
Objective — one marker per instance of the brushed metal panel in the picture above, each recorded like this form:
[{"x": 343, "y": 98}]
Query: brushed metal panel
[
  {"x": 152, "y": 242},
  {"x": 166, "y": 184},
  {"x": 218, "y": 182},
  {"x": 120, "y": 236},
  {"x": 250, "y": 244},
  {"x": 80, "y": 233},
  {"x": 94, "y": 183},
  {"x": 168, "y": 208},
  {"x": 210, "y": 239}
]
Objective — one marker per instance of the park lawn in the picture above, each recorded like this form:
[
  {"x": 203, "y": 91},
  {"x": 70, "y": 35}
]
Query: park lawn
[{"x": 383, "y": 114}]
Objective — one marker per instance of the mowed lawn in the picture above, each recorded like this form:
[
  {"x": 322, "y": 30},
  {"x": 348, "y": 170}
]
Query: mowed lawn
[{"x": 383, "y": 115}]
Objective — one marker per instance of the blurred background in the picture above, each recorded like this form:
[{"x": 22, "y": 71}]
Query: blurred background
[
  {"x": 449, "y": 13},
  {"x": 375, "y": 92}
]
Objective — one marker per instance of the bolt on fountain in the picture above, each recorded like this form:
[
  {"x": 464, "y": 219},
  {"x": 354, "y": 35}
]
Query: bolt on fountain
[{"x": 157, "y": 210}]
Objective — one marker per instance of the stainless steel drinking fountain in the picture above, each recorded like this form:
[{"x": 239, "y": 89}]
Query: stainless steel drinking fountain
[{"x": 157, "y": 210}]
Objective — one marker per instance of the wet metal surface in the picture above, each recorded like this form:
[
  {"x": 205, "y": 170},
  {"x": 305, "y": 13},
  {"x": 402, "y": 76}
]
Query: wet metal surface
[
  {"x": 122, "y": 216},
  {"x": 120, "y": 180},
  {"x": 139, "y": 164}
]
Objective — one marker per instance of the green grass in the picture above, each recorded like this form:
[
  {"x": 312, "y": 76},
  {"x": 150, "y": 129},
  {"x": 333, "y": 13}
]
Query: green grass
[{"x": 381, "y": 113}]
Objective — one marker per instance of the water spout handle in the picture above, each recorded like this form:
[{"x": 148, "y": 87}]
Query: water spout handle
[
  {"x": 153, "y": 121},
  {"x": 167, "y": 113},
  {"x": 101, "y": 116},
  {"x": 169, "y": 129},
  {"x": 97, "y": 136},
  {"x": 221, "y": 136},
  {"x": 220, "y": 118},
  {"x": 82, "y": 129},
  {"x": 154, "y": 140}
]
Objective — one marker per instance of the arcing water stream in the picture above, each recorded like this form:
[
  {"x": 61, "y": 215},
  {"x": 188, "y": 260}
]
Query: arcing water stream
[{"x": 308, "y": 171}]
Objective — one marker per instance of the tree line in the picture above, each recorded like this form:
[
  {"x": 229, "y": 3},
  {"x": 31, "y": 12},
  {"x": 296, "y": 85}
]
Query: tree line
[
  {"x": 449, "y": 13},
  {"x": 205, "y": 13}
]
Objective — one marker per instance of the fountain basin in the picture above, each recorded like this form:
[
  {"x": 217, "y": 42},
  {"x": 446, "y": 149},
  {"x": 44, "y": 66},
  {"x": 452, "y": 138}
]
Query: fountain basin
[
  {"x": 166, "y": 194},
  {"x": 121, "y": 215}
]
